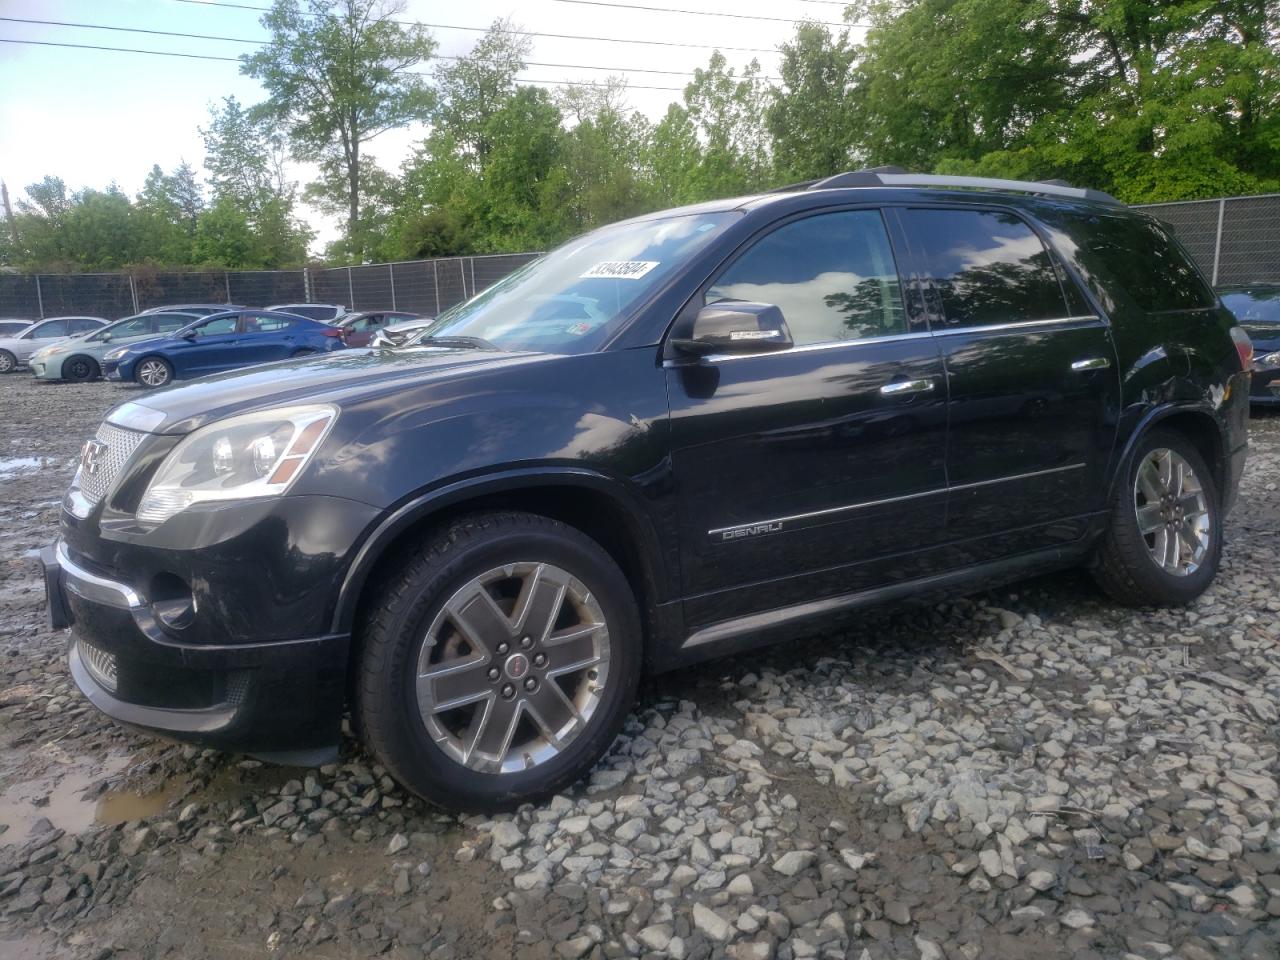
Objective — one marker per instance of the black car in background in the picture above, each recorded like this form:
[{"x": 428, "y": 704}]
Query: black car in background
[
  {"x": 674, "y": 438},
  {"x": 1257, "y": 310}
]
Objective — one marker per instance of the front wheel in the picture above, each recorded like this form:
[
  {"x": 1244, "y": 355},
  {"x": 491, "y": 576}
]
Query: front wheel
[
  {"x": 80, "y": 369},
  {"x": 498, "y": 662},
  {"x": 1164, "y": 536},
  {"x": 153, "y": 372},
  {"x": 8, "y": 362}
]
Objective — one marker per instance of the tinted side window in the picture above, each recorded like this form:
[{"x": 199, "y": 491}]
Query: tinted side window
[
  {"x": 84, "y": 326},
  {"x": 1139, "y": 256},
  {"x": 130, "y": 328},
  {"x": 54, "y": 328},
  {"x": 169, "y": 322},
  {"x": 833, "y": 276},
  {"x": 260, "y": 324},
  {"x": 311, "y": 313},
  {"x": 987, "y": 267},
  {"x": 215, "y": 327}
]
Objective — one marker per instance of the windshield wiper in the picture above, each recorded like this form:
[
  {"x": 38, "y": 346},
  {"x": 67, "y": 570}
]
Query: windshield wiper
[{"x": 455, "y": 342}]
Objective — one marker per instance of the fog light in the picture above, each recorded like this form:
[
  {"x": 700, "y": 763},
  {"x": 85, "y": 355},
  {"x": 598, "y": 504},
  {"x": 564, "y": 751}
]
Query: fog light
[{"x": 100, "y": 664}]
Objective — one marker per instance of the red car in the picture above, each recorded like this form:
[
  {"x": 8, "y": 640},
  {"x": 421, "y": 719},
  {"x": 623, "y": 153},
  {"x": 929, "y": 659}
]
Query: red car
[{"x": 358, "y": 328}]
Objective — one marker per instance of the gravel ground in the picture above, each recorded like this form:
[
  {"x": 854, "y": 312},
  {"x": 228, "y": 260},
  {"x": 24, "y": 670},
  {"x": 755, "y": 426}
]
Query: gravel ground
[{"x": 1032, "y": 772}]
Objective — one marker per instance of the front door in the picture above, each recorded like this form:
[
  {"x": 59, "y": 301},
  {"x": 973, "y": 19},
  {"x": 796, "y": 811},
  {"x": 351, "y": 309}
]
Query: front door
[
  {"x": 207, "y": 347},
  {"x": 1033, "y": 382},
  {"x": 794, "y": 468}
]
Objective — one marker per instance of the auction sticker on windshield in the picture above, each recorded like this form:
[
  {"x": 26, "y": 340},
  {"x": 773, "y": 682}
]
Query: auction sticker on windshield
[{"x": 620, "y": 269}]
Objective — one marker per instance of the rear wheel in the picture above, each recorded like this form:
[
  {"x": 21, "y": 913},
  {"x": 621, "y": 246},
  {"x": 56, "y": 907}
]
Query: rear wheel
[
  {"x": 498, "y": 662},
  {"x": 1164, "y": 538},
  {"x": 78, "y": 369},
  {"x": 8, "y": 362},
  {"x": 153, "y": 372}
]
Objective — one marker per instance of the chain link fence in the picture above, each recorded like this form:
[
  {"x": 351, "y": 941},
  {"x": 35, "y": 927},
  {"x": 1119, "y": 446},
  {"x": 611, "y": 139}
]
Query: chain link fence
[
  {"x": 417, "y": 286},
  {"x": 1235, "y": 240}
]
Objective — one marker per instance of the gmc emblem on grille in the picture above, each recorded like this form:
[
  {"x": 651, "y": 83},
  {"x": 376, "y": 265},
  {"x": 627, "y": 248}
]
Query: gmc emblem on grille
[{"x": 92, "y": 456}]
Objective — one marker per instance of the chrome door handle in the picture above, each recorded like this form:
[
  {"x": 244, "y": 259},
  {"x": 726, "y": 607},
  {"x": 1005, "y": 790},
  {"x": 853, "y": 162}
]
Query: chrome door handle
[
  {"x": 899, "y": 387},
  {"x": 1093, "y": 363}
]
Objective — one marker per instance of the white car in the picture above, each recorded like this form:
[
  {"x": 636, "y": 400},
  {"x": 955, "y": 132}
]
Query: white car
[{"x": 17, "y": 349}]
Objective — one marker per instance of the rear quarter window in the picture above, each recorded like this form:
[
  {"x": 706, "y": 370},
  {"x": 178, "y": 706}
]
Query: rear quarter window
[{"x": 1137, "y": 259}]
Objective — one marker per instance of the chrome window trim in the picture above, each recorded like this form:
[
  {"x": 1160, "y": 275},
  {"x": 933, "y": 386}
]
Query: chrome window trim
[
  {"x": 887, "y": 500},
  {"x": 1018, "y": 325}
]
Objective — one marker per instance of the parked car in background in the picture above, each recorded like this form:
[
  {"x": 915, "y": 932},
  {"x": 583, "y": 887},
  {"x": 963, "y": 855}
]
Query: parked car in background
[
  {"x": 660, "y": 443},
  {"x": 221, "y": 342},
  {"x": 16, "y": 349},
  {"x": 10, "y": 326},
  {"x": 199, "y": 309},
  {"x": 324, "y": 312},
  {"x": 80, "y": 358},
  {"x": 1257, "y": 309},
  {"x": 359, "y": 328},
  {"x": 398, "y": 334}
]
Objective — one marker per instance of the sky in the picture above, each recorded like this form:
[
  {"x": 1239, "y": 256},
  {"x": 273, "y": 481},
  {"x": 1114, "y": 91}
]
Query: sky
[{"x": 92, "y": 117}]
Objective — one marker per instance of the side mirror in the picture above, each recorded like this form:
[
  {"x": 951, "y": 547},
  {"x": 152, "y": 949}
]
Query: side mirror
[
  {"x": 190, "y": 337},
  {"x": 106, "y": 338},
  {"x": 736, "y": 326}
]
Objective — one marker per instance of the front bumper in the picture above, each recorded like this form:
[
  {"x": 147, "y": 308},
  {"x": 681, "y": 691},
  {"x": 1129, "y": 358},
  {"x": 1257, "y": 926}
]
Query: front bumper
[
  {"x": 111, "y": 370},
  {"x": 280, "y": 700}
]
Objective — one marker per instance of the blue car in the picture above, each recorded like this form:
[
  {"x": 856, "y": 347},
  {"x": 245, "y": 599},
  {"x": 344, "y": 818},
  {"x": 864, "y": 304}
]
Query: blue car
[{"x": 223, "y": 341}]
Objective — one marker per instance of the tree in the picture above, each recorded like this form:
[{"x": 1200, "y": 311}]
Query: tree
[
  {"x": 245, "y": 158},
  {"x": 337, "y": 76},
  {"x": 811, "y": 120},
  {"x": 474, "y": 88}
]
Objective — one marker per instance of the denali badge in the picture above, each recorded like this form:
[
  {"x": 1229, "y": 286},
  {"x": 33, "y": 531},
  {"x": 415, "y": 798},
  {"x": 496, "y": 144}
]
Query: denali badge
[
  {"x": 751, "y": 530},
  {"x": 91, "y": 456}
]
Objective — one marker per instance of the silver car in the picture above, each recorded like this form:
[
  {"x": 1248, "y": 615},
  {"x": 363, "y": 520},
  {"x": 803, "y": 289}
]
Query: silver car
[
  {"x": 16, "y": 350},
  {"x": 397, "y": 334}
]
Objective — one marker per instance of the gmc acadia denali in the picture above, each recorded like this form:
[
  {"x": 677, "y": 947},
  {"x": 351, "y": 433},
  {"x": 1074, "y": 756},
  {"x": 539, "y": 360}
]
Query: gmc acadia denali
[{"x": 671, "y": 439}]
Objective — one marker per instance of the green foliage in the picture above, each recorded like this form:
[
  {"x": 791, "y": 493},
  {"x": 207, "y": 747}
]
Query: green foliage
[{"x": 337, "y": 75}]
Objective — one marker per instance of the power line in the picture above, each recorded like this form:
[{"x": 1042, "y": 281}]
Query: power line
[
  {"x": 207, "y": 56},
  {"x": 521, "y": 33},
  {"x": 260, "y": 43},
  {"x": 703, "y": 13}
]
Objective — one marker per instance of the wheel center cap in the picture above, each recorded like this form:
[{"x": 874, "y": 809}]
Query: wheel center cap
[{"x": 517, "y": 666}]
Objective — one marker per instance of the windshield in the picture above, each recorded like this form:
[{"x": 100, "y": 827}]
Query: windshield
[
  {"x": 1254, "y": 306},
  {"x": 572, "y": 300}
]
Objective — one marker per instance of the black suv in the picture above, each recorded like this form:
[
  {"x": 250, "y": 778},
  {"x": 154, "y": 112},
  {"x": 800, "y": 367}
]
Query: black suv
[{"x": 671, "y": 439}]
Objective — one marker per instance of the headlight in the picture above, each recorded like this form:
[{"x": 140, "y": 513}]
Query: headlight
[
  {"x": 1270, "y": 360},
  {"x": 115, "y": 354},
  {"x": 241, "y": 458}
]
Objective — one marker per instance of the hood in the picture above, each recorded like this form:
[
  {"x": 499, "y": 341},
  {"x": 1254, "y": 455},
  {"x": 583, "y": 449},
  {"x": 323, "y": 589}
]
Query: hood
[{"x": 341, "y": 377}]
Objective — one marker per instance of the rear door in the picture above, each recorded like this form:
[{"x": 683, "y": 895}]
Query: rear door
[
  {"x": 264, "y": 337},
  {"x": 1032, "y": 379},
  {"x": 794, "y": 468}
]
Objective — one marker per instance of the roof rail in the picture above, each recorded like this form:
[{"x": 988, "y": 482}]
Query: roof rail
[{"x": 897, "y": 177}]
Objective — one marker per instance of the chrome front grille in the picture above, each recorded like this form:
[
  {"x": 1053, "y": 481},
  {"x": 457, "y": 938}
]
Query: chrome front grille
[
  {"x": 100, "y": 664},
  {"x": 104, "y": 460}
]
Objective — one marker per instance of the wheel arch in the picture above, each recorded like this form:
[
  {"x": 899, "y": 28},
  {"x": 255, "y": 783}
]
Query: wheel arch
[
  {"x": 583, "y": 499},
  {"x": 1194, "y": 421}
]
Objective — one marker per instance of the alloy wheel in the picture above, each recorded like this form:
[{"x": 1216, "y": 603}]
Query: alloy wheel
[
  {"x": 1172, "y": 511},
  {"x": 153, "y": 373},
  {"x": 6, "y": 362},
  {"x": 513, "y": 667}
]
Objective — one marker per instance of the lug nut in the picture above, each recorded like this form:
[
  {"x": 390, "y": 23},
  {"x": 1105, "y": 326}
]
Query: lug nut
[
  {"x": 503, "y": 648},
  {"x": 530, "y": 684},
  {"x": 494, "y": 673},
  {"x": 508, "y": 691},
  {"x": 526, "y": 642},
  {"x": 540, "y": 660}
]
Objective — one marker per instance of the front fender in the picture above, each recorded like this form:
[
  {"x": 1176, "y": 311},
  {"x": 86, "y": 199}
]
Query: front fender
[{"x": 424, "y": 504}]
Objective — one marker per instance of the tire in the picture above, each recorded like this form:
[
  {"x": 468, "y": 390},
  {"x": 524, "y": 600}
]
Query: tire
[
  {"x": 153, "y": 372},
  {"x": 1126, "y": 564},
  {"x": 80, "y": 369},
  {"x": 8, "y": 362},
  {"x": 407, "y": 631}
]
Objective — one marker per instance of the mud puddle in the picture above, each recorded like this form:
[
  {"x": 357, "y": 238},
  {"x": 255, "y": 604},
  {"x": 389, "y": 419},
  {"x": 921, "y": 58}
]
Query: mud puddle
[{"x": 76, "y": 794}]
